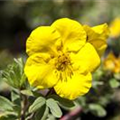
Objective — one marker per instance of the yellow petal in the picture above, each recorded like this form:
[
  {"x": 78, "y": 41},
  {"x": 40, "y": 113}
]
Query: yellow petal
[
  {"x": 115, "y": 28},
  {"x": 112, "y": 63},
  {"x": 72, "y": 33},
  {"x": 97, "y": 36},
  {"x": 42, "y": 39},
  {"x": 87, "y": 59},
  {"x": 39, "y": 70},
  {"x": 77, "y": 85}
]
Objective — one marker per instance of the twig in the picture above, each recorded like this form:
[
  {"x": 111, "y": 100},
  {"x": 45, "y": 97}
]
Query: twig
[
  {"x": 72, "y": 114},
  {"x": 25, "y": 106}
]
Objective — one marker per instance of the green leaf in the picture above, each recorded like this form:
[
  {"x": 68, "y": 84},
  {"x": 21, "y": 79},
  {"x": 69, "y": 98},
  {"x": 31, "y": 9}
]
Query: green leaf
[
  {"x": 81, "y": 101},
  {"x": 14, "y": 96},
  {"x": 117, "y": 76},
  {"x": 5, "y": 104},
  {"x": 37, "y": 104},
  {"x": 54, "y": 108},
  {"x": 65, "y": 103},
  {"x": 23, "y": 79},
  {"x": 14, "y": 73},
  {"x": 27, "y": 92},
  {"x": 0, "y": 74},
  {"x": 51, "y": 117},
  {"x": 97, "y": 110},
  {"x": 42, "y": 113},
  {"x": 8, "y": 116},
  {"x": 103, "y": 101},
  {"x": 17, "y": 101},
  {"x": 114, "y": 83},
  {"x": 98, "y": 74}
]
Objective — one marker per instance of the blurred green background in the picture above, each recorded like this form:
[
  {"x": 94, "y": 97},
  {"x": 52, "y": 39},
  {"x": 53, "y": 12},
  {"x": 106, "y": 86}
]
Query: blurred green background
[{"x": 19, "y": 17}]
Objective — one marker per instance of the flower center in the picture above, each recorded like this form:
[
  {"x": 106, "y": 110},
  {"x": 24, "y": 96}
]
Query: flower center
[
  {"x": 63, "y": 66},
  {"x": 62, "y": 62}
]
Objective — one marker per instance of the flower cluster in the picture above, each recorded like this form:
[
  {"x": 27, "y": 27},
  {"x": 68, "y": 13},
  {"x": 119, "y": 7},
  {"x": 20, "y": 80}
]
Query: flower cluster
[{"x": 63, "y": 56}]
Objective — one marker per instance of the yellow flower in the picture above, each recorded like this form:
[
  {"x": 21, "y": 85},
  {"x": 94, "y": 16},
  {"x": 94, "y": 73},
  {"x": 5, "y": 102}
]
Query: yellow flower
[
  {"x": 62, "y": 57},
  {"x": 115, "y": 28},
  {"x": 112, "y": 63},
  {"x": 97, "y": 36}
]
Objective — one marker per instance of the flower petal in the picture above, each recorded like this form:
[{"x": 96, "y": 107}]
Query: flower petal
[
  {"x": 97, "y": 36},
  {"x": 109, "y": 62},
  {"x": 40, "y": 71},
  {"x": 72, "y": 33},
  {"x": 77, "y": 85},
  {"x": 112, "y": 63},
  {"x": 87, "y": 59},
  {"x": 42, "y": 39},
  {"x": 115, "y": 28}
]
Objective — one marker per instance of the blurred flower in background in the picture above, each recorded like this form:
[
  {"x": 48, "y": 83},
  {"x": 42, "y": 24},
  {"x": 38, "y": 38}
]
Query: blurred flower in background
[
  {"x": 115, "y": 28},
  {"x": 112, "y": 63}
]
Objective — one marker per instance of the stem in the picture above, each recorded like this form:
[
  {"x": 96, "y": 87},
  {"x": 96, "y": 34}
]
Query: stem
[
  {"x": 72, "y": 114},
  {"x": 24, "y": 105}
]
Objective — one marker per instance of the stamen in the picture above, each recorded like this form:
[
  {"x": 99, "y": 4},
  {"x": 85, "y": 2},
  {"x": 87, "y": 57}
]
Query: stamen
[{"x": 63, "y": 66}]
